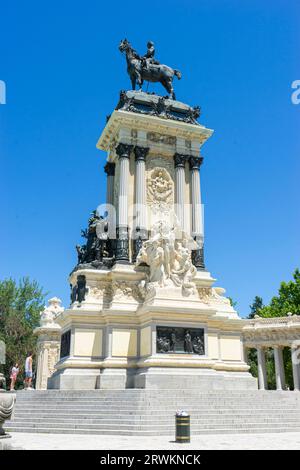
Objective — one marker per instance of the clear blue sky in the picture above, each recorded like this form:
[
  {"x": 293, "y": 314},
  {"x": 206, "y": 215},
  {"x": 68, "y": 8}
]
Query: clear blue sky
[{"x": 63, "y": 71}]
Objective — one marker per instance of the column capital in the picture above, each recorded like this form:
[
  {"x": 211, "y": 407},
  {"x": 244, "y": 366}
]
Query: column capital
[
  {"x": 123, "y": 150},
  {"x": 180, "y": 159},
  {"x": 195, "y": 162},
  {"x": 140, "y": 153},
  {"x": 110, "y": 168}
]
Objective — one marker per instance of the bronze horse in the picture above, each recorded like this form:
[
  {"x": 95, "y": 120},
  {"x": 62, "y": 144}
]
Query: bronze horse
[{"x": 153, "y": 73}]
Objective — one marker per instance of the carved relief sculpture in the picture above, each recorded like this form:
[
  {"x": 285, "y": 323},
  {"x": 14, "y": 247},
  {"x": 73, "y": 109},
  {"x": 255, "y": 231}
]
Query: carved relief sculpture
[{"x": 160, "y": 189}]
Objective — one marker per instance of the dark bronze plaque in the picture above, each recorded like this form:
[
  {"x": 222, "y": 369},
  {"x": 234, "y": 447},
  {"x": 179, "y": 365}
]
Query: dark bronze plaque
[
  {"x": 65, "y": 344},
  {"x": 180, "y": 340}
]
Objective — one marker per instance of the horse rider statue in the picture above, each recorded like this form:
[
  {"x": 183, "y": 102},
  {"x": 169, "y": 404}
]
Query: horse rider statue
[{"x": 147, "y": 68}]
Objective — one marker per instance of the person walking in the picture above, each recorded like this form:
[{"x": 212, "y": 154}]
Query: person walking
[
  {"x": 28, "y": 372},
  {"x": 13, "y": 376}
]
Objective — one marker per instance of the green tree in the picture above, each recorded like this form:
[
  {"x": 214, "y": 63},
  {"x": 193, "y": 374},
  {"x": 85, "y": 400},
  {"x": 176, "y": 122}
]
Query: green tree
[
  {"x": 20, "y": 306},
  {"x": 256, "y": 306},
  {"x": 287, "y": 300}
]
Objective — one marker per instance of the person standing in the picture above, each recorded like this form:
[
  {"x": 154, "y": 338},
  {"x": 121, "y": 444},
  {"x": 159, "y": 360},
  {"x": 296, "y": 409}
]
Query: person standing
[
  {"x": 13, "y": 376},
  {"x": 28, "y": 372}
]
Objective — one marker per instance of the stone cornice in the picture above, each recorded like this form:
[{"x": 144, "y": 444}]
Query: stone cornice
[{"x": 119, "y": 119}]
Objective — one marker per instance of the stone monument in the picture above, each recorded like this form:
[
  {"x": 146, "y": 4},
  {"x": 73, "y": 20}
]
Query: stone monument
[{"x": 144, "y": 311}]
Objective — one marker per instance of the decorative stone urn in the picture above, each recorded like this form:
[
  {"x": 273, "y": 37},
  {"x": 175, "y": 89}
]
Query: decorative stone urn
[
  {"x": 48, "y": 343},
  {"x": 2, "y": 382},
  {"x": 7, "y": 402}
]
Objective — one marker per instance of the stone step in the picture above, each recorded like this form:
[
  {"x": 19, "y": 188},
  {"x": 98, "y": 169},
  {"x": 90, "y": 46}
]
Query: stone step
[
  {"x": 152, "y": 433},
  {"x": 134, "y": 393},
  {"x": 271, "y": 399},
  {"x": 155, "y": 413},
  {"x": 142, "y": 391},
  {"x": 143, "y": 412},
  {"x": 156, "y": 409},
  {"x": 279, "y": 399},
  {"x": 162, "y": 402},
  {"x": 155, "y": 430},
  {"x": 151, "y": 422}
]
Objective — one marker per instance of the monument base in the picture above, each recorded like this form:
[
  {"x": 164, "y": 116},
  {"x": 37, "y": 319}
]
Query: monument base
[
  {"x": 202, "y": 379},
  {"x": 152, "y": 378},
  {"x": 74, "y": 379},
  {"x": 112, "y": 379}
]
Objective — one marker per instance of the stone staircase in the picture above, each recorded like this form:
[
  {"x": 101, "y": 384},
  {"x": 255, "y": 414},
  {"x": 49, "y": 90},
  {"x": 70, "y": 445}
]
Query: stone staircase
[{"x": 151, "y": 412}]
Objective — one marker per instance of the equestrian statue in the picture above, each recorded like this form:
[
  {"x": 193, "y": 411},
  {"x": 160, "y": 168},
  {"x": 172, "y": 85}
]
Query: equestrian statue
[{"x": 146, "y": 68}]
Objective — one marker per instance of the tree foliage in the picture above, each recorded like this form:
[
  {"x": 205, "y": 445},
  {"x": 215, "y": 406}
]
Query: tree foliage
[
  {"x": 20, "y": 307},
  {"x": 256, "y": 306},
  {"x": 287, "y": 300}
]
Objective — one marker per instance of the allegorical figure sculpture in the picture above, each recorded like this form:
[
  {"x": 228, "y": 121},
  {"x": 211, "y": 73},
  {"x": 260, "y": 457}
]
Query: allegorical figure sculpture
[
  {"x": 146, "y": 68},
  {"x": 79, "y": 290},
  {"x": 98, "y": 245},
  {"x": 168, "y": 258}
]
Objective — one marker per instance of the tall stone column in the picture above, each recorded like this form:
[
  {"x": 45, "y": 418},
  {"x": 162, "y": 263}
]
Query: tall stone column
[
  {"x": 122, "y": 248},
  {"x": 295, "y": 352},
  {"x": 140, "y": 199},
  {"x": 111, "y": 215},
  {"x": 279, "y": 368},
  {"x": 261, "y": 369},
  {"x": 179, "y": 161},
  {"x": 197, "y": 218},
  {"x": 110, "y": 171}
]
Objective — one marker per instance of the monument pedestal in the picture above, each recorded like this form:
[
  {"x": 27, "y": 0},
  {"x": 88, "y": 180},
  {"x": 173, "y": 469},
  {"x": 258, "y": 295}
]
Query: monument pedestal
[
  {"x": 202, "y": 379},
  {"x": 144, "y": 312}
]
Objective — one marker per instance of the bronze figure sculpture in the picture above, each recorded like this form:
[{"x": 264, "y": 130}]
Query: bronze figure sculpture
[{"x": 146, "y": 68}]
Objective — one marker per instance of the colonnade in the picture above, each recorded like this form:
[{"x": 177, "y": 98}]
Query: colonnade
[{"x": 124, "y": 152}]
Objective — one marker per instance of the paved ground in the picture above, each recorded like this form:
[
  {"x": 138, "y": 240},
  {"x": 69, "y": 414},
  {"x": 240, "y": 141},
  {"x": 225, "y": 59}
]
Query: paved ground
[{"x": 88, "y": 442}]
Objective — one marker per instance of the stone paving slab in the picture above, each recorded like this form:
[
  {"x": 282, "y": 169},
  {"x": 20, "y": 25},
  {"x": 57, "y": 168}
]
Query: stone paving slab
[{"x": 282, "y": 441}]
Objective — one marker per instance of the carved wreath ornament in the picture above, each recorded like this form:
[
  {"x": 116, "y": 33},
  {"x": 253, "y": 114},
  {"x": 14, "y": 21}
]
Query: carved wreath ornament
[{"x": 160, "y": 188}]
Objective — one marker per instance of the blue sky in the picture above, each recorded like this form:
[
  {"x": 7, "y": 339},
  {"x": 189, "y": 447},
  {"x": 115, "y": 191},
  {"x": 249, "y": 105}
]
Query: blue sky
[{"x": 63, "y": 72}]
